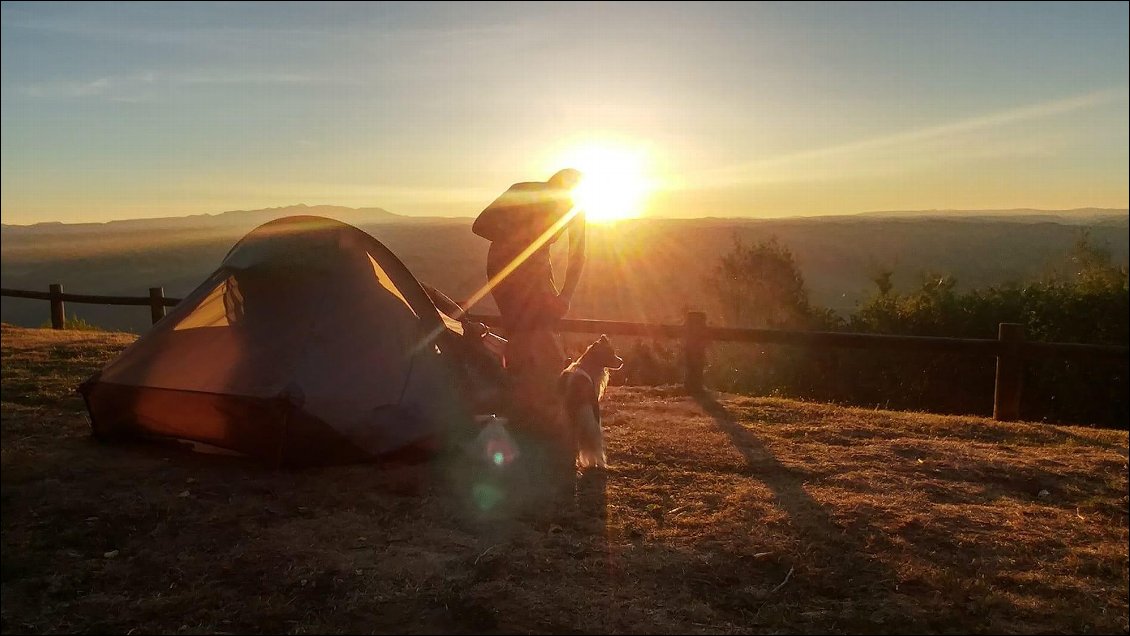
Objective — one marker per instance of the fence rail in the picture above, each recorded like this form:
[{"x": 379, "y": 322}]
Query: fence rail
[
  {"x": 1009, "y": 348},
  {"x": 962, "y": 346}
]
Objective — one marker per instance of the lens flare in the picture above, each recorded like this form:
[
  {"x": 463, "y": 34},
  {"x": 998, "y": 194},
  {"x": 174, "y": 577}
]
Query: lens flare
[{"x": 486, "y": 496}]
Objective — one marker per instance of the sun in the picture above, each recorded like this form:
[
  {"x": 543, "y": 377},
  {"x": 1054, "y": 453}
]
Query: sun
[{"x": 615, "y": 184}]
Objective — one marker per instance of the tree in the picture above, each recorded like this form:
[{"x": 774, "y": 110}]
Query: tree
[
  {"x": 1092, "y": 267},
  {"x": 760, "y": 286}
]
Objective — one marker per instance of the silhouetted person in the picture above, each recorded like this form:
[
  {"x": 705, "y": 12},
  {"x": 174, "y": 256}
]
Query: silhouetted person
[{"x": 522, "y": 225}]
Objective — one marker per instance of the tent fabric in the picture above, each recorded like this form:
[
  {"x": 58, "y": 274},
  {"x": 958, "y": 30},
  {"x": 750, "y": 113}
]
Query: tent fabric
[{"x": 310, "y": 344}]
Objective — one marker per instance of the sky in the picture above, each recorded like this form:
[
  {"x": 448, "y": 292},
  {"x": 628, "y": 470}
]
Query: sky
[{"x": 128, "y": 110}]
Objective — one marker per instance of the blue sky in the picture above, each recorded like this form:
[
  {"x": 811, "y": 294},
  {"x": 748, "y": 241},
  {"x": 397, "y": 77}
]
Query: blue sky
[{"x": 118, "y": 110}]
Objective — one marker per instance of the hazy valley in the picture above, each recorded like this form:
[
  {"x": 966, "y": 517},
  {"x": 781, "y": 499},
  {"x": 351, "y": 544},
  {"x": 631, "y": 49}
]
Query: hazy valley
[{"x": 644, "y": 270}]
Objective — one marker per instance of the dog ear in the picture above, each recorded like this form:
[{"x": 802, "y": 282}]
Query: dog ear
[{"x": 604, "y": 337}]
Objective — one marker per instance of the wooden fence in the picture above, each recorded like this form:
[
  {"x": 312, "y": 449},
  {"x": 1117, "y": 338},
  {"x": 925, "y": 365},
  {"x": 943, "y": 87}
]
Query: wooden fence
[{"x": 1010, "y": 348}]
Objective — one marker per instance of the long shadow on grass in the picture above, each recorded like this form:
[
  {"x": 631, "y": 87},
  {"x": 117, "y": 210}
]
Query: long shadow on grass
[
  {"x": 955, "y": 556},
  {"x": 848, "y": 570}
]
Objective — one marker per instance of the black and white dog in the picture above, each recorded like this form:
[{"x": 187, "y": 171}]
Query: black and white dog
[{"x": 582, "y": 385}]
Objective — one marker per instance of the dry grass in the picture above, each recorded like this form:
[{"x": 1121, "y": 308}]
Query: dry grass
[{"x": 724, "y": 515}]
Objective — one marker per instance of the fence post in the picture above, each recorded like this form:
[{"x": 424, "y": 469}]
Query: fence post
[
  {"x": 58, "y": 314},
  {"x": 694, "y": 347},
  {"x": 1010, "y": 373},
  {"x": 156, "y": 303}
]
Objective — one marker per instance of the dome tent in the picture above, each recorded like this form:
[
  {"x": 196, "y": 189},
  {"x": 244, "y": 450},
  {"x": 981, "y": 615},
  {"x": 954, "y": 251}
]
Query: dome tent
[{"x": 310, "y": 344}]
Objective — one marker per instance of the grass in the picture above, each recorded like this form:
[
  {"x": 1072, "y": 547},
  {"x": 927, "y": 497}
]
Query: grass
[
  {"x": 75, "y": 323},
  {"x": 721, "y": 514}
]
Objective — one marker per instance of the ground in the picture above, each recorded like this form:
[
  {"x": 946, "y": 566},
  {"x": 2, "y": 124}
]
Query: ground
[{"x": 719, "y": 514}]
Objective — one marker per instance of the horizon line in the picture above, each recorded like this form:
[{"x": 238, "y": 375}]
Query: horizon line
[{"x": 925, "y": 211}]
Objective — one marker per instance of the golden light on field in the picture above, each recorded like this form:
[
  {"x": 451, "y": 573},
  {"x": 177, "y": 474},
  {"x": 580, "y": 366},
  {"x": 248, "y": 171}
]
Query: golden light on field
[{"x": 615, "y": 184}]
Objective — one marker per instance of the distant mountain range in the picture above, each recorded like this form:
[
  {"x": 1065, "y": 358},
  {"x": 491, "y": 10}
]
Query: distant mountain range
[
  {"x": 247, "y": 219},
  {"x": 1075, "y": 216},
  {"x": 234, "y": 219}
]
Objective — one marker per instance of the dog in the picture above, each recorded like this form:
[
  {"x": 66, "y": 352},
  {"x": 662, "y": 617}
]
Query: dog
[{"x": 581, "y": 386}]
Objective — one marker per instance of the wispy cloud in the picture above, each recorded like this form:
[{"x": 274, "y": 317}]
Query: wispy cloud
[
  {"x": 130, "y": 87},
  {"x": 844, "y": 159},
  {"x": 84, "y": 88},
  {"x": 388, "y": 195},
  {"x": 200, "y": 36},
  {"x": 349, "y": 193},
  {"x": 144, "y": 29}
]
